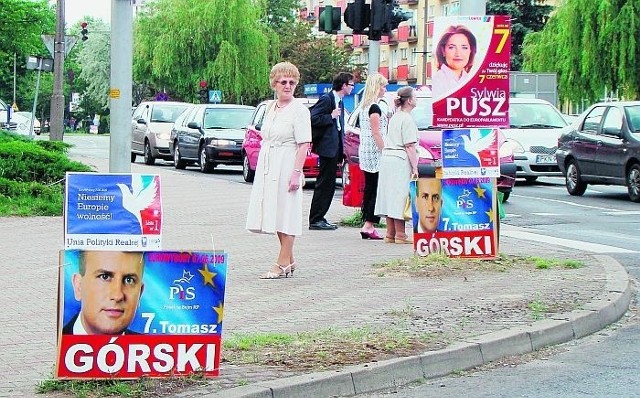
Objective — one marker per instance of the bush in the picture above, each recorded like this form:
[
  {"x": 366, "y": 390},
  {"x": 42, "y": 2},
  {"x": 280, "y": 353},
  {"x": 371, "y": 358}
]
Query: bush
[{"x": 32, "y": 175}]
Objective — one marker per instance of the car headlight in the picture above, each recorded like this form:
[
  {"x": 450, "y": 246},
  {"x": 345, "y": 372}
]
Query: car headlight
[
  {"x": 514, "y": 146},
  {"x": 222, "y": 143},
  {"x": 505, "y": 151},
  {"x": 164, "y": 136},
  {"x": 424, "y": 153}
]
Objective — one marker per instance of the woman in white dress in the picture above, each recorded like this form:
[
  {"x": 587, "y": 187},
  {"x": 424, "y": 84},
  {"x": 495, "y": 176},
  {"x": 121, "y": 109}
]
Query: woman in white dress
[
  {"x": 275, "y": 205},
  {"x": 373, "y": 128},
  {"x": 399, "y": 162}
]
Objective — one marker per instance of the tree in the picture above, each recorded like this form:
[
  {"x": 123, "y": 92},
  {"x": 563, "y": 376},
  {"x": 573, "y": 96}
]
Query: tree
[
  {"x": 281, "y": 13},
  {"x": 592, "y": 45},
  {"x": 23, "y": 21},
  {"x": 94, "y": 59},
  {"x": 317, "y": 58},
  {"x": 178, "y": 43},
  {"x": 527, "y": 16}
]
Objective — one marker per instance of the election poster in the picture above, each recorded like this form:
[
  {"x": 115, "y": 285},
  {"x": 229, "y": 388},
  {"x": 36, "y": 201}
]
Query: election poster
[
  {"x": 133, "y": 314},
  {"x": 470, "y": 153},
  {"x": 113, "y": 212},
  {"x": 470, "y": 83},
  {"x": 456, "y": 217}
]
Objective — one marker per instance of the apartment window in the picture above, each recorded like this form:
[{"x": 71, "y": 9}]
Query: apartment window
[
  {"x": 403, "y": 53},
  {"x": 414, "y": 58},
  {"x": 432, "y": 12},
  {"x": 455, "y": 8},
  {"x": 445, "y": 9}
]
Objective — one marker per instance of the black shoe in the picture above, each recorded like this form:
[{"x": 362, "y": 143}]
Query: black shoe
[
  {"x": 322, "y": 225},
  {"x": 335, "y": 226}
]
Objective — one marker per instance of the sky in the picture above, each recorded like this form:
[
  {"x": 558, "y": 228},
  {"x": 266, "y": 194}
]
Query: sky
[{"x": 76, "y": 10}]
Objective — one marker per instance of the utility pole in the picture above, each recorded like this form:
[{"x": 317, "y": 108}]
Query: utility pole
[
  {"x": 56, "y": 120},
  {"x": 120, "y": 90}
]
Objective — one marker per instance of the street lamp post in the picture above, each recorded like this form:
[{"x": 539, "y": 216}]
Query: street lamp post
[{"x": 56, "y": 120}]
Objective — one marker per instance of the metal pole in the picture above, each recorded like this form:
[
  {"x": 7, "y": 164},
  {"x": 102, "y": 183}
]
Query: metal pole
[
  {"x": 15, "y": 61},
  {"x": 120, "y": 92},
  {"x": 35, "y": 98},
  {"x": 56, "y": 119},
  {"x": 425, "y": 39},
  {"x": 374, "y": 56}
]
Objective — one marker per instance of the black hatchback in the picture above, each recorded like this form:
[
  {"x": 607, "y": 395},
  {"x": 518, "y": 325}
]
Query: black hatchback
[{"x": 603, "y": 147}]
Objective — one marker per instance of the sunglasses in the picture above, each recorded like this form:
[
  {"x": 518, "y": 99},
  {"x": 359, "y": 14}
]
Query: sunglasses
[
  {"x": 351, "y": 84},
  {"x": 289, "y": 82}
]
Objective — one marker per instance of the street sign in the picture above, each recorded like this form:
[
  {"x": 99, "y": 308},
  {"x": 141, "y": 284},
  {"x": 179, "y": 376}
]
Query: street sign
[
  {"x": 69, "y": 42},
  {"x": 215, "y": 96}
]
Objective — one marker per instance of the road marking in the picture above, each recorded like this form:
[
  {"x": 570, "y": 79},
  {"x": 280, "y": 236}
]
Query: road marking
[
  {"x": 623, "y": 213},
  {"x": 569, "y": 203},
  {"x": 523, "y": 233}
]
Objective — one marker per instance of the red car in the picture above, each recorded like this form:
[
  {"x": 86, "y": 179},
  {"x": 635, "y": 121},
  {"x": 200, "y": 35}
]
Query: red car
[
  {"x": 253, "y": 141},
  {"x": 429, "y": 150}
]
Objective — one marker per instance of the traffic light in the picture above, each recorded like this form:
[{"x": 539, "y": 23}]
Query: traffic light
[
  {"x": 330, "y": 19},
  {"x": 399, "y": 15},
  {"x": 84, "y": 31},
  {"x": 204, "y": 92},
  {"x": 380, "y": 18},
  {"x": 357, "y": 15}
]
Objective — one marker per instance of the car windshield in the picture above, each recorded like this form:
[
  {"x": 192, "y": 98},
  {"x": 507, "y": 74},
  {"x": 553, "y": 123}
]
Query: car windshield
[
  {"x": 166, "y": 113},
  {"x": 535, "y": 115},
  {"x": 633, "y": 115},
  {"x": 227, "y": 118}
]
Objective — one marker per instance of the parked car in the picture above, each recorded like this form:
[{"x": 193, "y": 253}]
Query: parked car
[
  {"x": 36, "y": 122},
  {"x": 430, "y": 140},
  {"x": 151, "y": 124},
  {"x": 603, "y": 147},
  {"x": 535, "y": 126},
  {"x": 209, "y": 134},
  {"x": 253, "y": 141}
]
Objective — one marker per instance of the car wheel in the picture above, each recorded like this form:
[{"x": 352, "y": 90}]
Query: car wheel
[
  {"x": 531, "y": 179},
  {"x": 575, "y": 185},
  {"x": 133, "y": 157},
  {"x": 148, "y": 157},
  {"x": 178, "y": 162},
  {"x": 247, "y": 173},
  {"x": 633, "y": 183},
  {"x": 205, "y": 165}
]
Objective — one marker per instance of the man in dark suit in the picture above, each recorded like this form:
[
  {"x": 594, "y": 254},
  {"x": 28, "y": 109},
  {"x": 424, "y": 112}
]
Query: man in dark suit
[
  {"x": 108, "y": 285},
  {"x": 327, "y": 123}
]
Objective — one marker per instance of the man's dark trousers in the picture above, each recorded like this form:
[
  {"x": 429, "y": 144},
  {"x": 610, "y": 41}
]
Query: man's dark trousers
[{"x": 324, "y": 190}]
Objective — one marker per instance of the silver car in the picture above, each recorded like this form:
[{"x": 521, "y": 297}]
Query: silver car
[
  {"x": 151, "y": 128},
  {"x": 535, "y": 126}
]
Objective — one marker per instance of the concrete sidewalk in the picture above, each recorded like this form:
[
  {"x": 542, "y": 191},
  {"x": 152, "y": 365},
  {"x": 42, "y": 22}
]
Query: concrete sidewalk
[{"x": 334, "y": 287}]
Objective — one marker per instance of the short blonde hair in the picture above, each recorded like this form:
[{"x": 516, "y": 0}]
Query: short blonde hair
[
  {"x": 372, "y": 88},
  {"x": 283, "y": 69}
]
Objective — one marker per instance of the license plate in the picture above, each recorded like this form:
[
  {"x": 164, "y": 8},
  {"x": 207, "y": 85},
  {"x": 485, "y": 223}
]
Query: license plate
[{"x": 546, "y": 159}]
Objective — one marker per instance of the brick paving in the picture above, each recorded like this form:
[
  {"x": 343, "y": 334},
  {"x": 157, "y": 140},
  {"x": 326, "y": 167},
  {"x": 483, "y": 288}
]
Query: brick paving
[{"x": 335, "y": 285}]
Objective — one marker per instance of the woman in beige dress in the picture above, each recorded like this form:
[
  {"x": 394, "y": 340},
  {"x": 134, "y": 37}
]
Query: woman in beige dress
[
  {"x": 275, "y": 205},
  {"x": 399, "y": 161}
]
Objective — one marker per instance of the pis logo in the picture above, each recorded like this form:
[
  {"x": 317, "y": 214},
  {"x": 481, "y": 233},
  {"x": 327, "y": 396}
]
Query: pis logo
[
  {"x": 178, "y": 291},
  {"x": 464, "y": 200}
]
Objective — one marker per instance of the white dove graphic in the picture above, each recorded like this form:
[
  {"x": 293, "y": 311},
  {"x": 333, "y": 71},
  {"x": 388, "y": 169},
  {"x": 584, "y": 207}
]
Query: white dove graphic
[
  {"x": 139, "y": 197},
  {"x": 477, "y": 142}
]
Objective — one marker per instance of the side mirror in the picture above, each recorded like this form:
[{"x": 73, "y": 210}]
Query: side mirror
[
  {"x": 611, "y": 131},
  {"x": 141, "y": 121},
  {"x": 258, "y": 126},
  {"x": 194, "y": 125}
]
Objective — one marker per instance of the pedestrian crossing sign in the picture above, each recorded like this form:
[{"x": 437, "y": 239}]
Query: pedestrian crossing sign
[{"x": 215, "y": 96}]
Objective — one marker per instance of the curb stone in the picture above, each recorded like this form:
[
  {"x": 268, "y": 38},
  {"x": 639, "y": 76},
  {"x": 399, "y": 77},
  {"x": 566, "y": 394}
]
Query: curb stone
[{"x": 603, "y": 310}]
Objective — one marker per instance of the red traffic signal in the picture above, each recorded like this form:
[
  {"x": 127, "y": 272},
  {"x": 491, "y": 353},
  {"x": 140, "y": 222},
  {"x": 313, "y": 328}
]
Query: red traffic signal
[
  {"x": 203, "y": 84},
  {"x": 84, "y": 31}
]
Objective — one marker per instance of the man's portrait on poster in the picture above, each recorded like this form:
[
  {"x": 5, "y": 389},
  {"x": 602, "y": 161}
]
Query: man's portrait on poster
[
  {"x": 428, "y": 204},
  {"x": 454, "y": 54},
  {"x": 108, "y": 285}
]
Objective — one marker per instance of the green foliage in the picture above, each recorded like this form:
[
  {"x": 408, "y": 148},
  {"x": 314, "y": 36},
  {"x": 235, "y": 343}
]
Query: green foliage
[
  {"x": 178, "y": 43},
  {"x": 32, "y": 175},
  {"x": 592, "y": 45},
  {"x": 94, "y": 60},
  {"x": 23, "y": 21},
  {"x": 528, "y": 16}
]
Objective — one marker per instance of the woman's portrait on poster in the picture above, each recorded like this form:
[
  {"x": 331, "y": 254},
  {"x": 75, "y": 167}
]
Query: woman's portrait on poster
[{"x": 454, "y": 53}]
